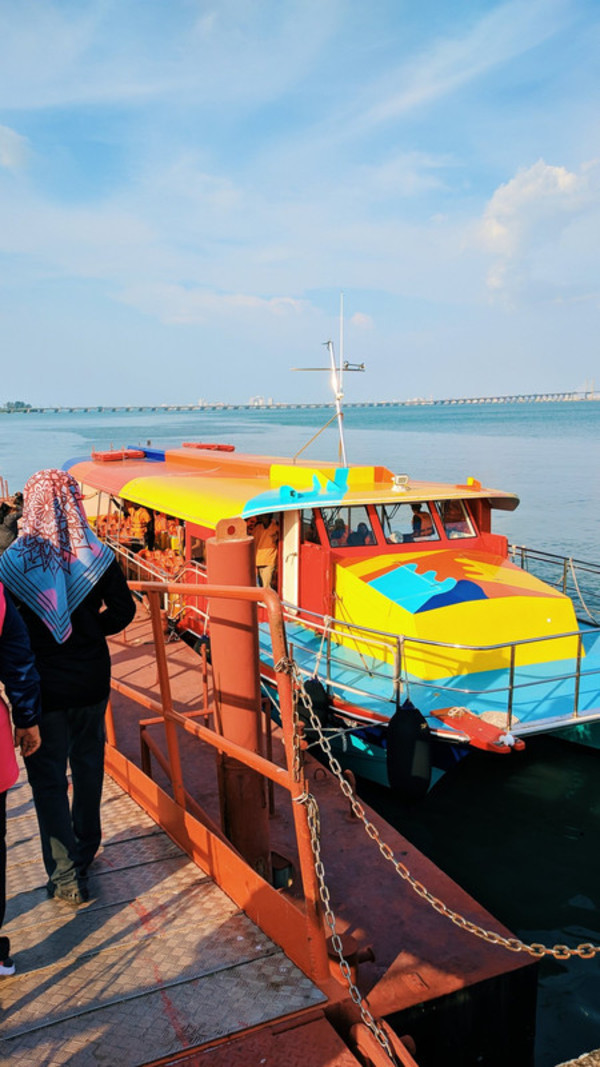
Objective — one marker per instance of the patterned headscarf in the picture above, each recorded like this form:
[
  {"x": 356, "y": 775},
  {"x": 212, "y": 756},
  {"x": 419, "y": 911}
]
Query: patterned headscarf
[{"x": 57, "y": 559}]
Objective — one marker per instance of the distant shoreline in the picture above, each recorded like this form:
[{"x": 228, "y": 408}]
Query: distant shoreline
[{"x": 575, "y": 396}]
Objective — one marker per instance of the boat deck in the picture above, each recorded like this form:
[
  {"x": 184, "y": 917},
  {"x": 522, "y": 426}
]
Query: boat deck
[{"x": 158, "y": 962}]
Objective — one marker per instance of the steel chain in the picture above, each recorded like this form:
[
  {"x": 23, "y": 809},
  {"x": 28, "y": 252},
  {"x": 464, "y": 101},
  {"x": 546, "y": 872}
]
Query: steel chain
[
  {"x": 586, "y": 951},
  {"x": 286, "y": 666},
  {"x": 314, "y": 825}
]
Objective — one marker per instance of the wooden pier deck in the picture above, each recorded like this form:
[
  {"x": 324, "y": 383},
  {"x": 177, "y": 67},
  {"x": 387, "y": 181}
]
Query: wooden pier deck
[{"x": 159, "y": 961}]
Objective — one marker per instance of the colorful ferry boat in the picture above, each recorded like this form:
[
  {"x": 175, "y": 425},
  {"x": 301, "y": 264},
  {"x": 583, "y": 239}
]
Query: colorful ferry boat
[{"x": 410, "y": 618}]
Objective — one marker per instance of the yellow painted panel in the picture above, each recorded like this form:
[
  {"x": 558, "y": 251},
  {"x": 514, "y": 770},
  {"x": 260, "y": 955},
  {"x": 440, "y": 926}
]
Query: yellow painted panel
[
  {"x": 301, "y": 478},
  {"x": 196, "y": 500},
  {"x": 479, "y": 622}
]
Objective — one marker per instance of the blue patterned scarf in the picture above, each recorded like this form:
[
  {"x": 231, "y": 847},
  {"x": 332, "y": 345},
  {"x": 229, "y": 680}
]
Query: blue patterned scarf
[{"x": 57, "y": 559}]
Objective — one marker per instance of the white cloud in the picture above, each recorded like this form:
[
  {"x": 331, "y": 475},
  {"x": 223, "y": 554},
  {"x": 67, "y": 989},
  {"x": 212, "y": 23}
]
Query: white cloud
[
  {"x": 505, "y": 32},
  {"x": 362, "y": 321},
  {"x": 14, "y": 149},
  {"x": 534, "y": 216},
  {"x": 58, "y": 55},
  {"x": 181, "y": 305}
]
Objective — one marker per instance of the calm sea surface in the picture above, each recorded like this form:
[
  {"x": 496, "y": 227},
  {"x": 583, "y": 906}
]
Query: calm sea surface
[
  {"x": 547, "y": 453},
  {"x": 521, "y": 832}
]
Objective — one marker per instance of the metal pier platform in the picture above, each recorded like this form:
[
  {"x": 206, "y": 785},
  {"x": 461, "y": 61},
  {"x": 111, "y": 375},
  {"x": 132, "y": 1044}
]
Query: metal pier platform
[
  {"x": 165, "y": 966},
  {"x": 159, "y": 961}
]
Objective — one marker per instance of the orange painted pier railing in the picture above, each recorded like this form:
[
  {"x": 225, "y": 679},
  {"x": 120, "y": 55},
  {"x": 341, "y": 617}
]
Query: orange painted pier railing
[
  {"x": 235, "y": 866},
  {"x": 418, "y": 957},
  {"x": 315, "y": 961}
]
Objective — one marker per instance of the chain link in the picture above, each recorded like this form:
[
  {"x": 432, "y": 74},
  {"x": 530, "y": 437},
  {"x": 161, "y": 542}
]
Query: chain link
[
  {"x": 584, "y": 951},
  {"x": 286, "y": 666},
  {"x": 314, "y": 825}
]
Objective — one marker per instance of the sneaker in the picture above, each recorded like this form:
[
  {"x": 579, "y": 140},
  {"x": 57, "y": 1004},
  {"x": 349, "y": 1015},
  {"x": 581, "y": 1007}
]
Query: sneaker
[
  {"x": 7, "y": 966},
  {"x": 71, "y": 894}
]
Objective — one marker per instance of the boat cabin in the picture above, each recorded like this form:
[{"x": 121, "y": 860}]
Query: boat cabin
[{"x": 158, "y": 509}]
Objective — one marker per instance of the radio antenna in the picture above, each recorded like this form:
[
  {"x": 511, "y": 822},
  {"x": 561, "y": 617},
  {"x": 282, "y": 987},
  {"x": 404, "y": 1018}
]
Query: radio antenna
[{"x": 337, "y": 377}]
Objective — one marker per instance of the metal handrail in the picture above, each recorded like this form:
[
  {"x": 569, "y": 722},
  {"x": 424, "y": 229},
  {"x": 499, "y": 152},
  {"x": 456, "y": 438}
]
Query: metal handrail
[
  {"x": 573, "y": 578},
  {"x": 338, "y": 630},
  {"x": 132, "y": 558},
  {"x": 510, "y": 646},
  {"x": 290, "y": 777},
  {"x": 388, "y": 638},
  {"x": 553, "y": 558}
]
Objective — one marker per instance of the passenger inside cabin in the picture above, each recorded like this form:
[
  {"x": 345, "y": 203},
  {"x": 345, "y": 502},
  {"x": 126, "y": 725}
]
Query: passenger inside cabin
[
  {"x": 310, "y": 532},
  {"x": 266, "y": 539},
  {"x": 136, "y": 519},
  {"x": 197, "y": 549},
  {"x": 455, "y": 519},
  {"x": 339, "y": 534},
  {"x": 361, "y": 536},
  {"x": 404, "y": 523},
  {"x": 422, "y": 523},
  {"x": 149, "y": 533}
]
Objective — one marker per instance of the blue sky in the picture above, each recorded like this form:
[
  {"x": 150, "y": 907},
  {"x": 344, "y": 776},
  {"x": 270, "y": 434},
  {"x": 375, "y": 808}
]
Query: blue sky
[{"x": 186, "y": 187}]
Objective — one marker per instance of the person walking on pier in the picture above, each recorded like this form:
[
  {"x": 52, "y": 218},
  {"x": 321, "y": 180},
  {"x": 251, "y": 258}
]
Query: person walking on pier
[
  {"x": 21, "y": 683},
  {"x": 71, "y": 594}
]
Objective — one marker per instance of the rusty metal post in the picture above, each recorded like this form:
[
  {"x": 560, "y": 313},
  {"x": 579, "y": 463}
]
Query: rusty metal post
[{"x": 236, "y": 679}]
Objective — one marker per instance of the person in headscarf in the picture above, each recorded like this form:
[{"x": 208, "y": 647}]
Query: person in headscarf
[
  {"x": 8, "y": 525},
  {"x": 21, "y": 683},
  {"x": 71, "y": 594}
]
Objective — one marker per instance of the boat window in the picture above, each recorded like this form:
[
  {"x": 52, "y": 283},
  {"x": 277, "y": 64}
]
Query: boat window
[
  {"x": 348, "y": 527},
  {"x": 308, "y": 527},
  {"x": 407, "y": 522},
  {"x": 455, "y": 519}
]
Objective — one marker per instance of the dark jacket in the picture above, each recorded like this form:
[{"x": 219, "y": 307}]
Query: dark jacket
[
  {"x": 17, "y": 668},
  {"x": 76, "y": 674}
]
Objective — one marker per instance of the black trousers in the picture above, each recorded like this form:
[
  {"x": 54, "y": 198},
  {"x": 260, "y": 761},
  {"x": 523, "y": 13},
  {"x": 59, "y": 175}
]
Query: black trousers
[{"x": 70, "y": 831}]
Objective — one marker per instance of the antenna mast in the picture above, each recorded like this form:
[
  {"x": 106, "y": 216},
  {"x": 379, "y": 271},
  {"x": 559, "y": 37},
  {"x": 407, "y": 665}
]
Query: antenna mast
[
  {"x": 336, "y": 385},
  {"x": 337, "y": 374}
]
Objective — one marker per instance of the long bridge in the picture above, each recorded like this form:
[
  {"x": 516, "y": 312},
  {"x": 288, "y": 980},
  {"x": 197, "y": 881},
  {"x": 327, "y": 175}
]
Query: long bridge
[{"x": 512, "y": 398}]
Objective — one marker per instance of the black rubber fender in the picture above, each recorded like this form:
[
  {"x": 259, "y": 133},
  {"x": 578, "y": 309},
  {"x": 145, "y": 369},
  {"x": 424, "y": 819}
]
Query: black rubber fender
[
  {"x": 409, "y": 752},
  {"x": 319, "y": 699}
]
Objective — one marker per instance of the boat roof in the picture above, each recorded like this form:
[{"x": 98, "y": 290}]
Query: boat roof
[{"x": 203, "y": 483}]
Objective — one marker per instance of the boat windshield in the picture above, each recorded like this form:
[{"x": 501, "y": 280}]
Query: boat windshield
[
  {"x": 348, "y": 527},
  {"x": 407, "y": 522}
]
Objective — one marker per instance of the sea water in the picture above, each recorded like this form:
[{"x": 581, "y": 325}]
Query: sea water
[
  {"x": 547, "y": 453},
  {"x": 518, "y": 832}
]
